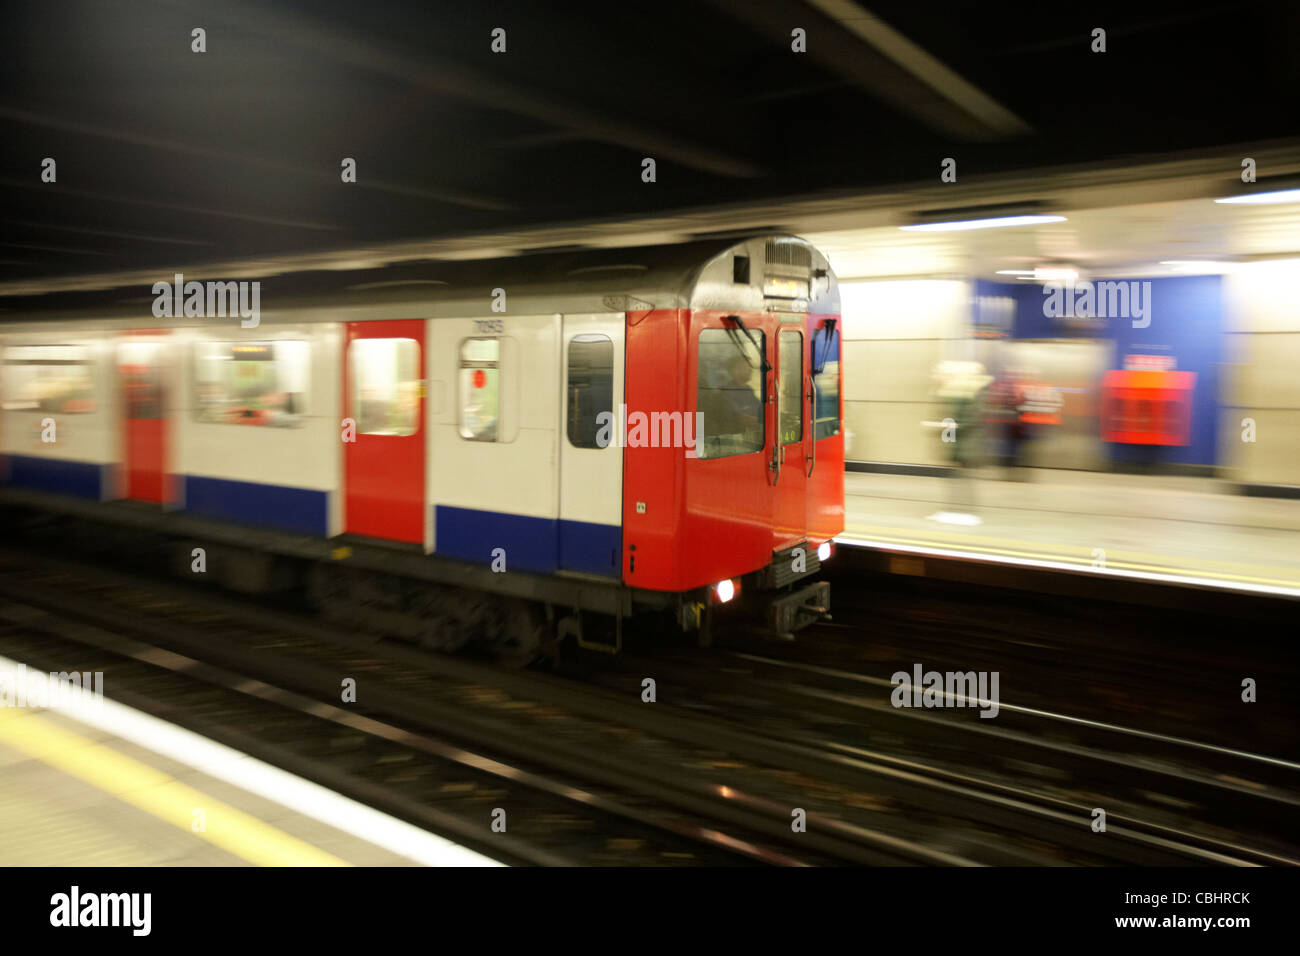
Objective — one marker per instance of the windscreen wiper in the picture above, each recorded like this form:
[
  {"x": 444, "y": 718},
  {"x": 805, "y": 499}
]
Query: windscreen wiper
[
  {"x": 828, "y": 339},
  {"x": 749, "y": 335}
]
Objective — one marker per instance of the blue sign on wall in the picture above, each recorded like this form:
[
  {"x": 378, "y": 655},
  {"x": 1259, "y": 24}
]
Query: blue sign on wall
[{"x": 1180, "y": 318}]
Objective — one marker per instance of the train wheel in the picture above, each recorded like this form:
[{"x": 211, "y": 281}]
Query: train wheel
[{"x": 522, "y": 632}]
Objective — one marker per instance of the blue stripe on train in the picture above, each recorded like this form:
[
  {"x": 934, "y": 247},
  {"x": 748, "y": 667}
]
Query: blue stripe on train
[
  {"x": 81, "y": 478},
  {"x": 594, "y": 548},
  {"x": 300, "y": 510},
  {"x": 530, "y": 544}
]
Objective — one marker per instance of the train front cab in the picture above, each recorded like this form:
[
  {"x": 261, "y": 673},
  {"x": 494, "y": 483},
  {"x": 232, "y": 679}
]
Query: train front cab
[
  {"x": 754, "y": 508},
  {"x": 774, "y": 500}
]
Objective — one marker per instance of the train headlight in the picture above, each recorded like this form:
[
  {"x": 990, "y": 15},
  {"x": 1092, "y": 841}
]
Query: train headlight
[
  {"x": 724, "y": 591},
  {"x": 824, "y": 551}
]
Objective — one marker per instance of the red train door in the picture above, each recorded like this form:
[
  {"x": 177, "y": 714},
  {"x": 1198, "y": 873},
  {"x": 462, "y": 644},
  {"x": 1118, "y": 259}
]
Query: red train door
[
  {"x": 729, "y": 499},
  {"x": 142, "y": 372},
  {"x": 790, "y": 431},
  {"x": 383, "y": 457}
]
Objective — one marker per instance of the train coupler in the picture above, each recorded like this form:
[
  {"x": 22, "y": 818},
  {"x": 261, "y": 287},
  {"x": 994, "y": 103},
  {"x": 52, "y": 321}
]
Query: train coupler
[{"x": 788, "y": 613}]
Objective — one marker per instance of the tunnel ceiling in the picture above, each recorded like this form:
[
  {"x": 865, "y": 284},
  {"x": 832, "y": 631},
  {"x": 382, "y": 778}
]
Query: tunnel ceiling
[{"x": 167, "y": 156}]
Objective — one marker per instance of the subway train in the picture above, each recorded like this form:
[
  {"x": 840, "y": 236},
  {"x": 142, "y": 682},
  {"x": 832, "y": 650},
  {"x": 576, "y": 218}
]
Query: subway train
[{"x": 545, "y": 444}]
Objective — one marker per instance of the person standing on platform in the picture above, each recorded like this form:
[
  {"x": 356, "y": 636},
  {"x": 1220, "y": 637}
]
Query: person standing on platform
[{"x": 962, "y": 387}]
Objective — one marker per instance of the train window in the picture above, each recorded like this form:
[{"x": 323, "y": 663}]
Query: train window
[
  {"x": 250, "y": 383},
  {"x": 48, "y": 378},
  {"x": 480, "y": 389},
  {"x": 731, "y": 392},
  {"x": 590, "y": 387},
  {"x": 384, "y": 377},
  {"x": 826, "y": 379},
  {"x": 142, "y": 379},
  {"x": 789, "y": 392}
]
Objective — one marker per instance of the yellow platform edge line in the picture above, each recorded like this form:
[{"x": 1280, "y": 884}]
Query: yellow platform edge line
[{"x": 156, "y": 793}]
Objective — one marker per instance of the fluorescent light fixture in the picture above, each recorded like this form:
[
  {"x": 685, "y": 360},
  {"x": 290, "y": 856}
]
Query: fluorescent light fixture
[
  {"x": 1202, "y": 266},
  {"x": 1263, "y": 199},
  {"x": 1043, "y": 273},
  {"x": 996, "y": 222}
]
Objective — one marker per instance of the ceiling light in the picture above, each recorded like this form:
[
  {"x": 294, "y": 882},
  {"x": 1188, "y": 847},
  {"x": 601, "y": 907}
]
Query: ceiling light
[
  {"x": 1260, "y": 199},
  {"x": 996, "y": 222},
  {"x": 1202, "y": 266}
]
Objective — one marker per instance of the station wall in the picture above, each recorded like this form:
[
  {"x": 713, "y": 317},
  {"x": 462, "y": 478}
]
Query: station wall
[
  {"x": 895, "y": 331},
  {"x": 1261, "y": 382}
]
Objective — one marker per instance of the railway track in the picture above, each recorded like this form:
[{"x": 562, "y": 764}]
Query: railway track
[
  {"x": 1158, "y": 668},
  {"x": 724, "y": 768},
  {"x": 373, "y": 761},
  {"x": 1199, "y": 801},
  {"x": 584, "y": 790}
]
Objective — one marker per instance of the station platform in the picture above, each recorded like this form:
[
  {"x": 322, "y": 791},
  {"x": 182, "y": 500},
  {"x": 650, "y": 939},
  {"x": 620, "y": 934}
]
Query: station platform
[
  {"x": 112, "y": 786},
  {"x": 1177, "y": 530}
]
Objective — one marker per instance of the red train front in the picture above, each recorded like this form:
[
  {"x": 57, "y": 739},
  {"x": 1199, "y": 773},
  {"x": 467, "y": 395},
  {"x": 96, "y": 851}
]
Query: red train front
[{"x": 753, "y": 505}]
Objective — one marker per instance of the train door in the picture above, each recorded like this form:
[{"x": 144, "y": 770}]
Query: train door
[
  {"x": 383, "y": 461},
  {"x": 729, "y": 490},
  {"x": 790, "y": 438},
  {"x": 591, "y": 456},
  {"x": 825, "y": 465},
  {"x": 496, "y": 434},
  {"x": 142, "y": 373}
]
